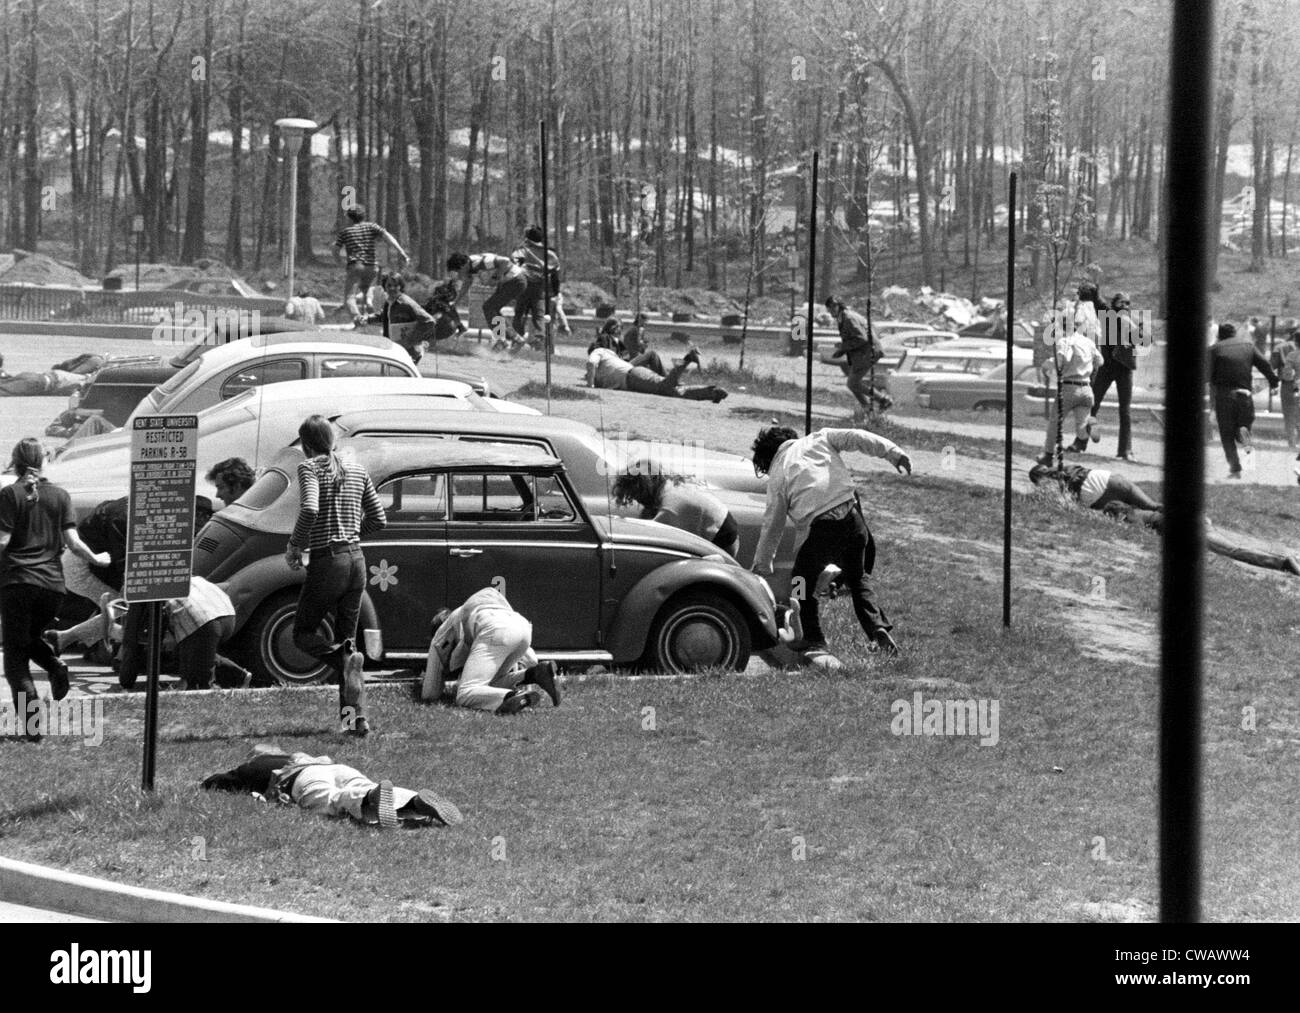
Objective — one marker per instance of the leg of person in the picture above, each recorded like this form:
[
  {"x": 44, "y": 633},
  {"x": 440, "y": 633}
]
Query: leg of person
[
  {"x": 857, "y": 384},
  {"x": 1106, "y": 373},
  {"x": 1049, "y": 440},
  {"x": 1291, "y": 415},
  {"x": 647, "y": 381},
  {"x": 339, "y": 790},
  {"x": 27, "y": 706},
  {"x": 486, "y": 680},
  {"x": 1124, "y": 391},
  {"x": 351, "y": 288},
  {"x": 1216, "y": 541},
  {"x": 1121, "y": 490},
  {"x": 818, "y": 549},
  {"x": 709, "y": 393},
  {"x": 352, "y": 683},
  {"x": 88, "y": 632},
  {"x": 80, "y": 580},
  {"x": 1245, "y": 412},
  {"x": 652, "y": 360},
  {"x": 196, "y": 655},
  {"x": 326, "y": 581},
  {"x": 1079, "y": 397},
  {"x": 851, "y": 556},
  {"x": 42, "y": 608},
  {"x": 1225, "y": 416}
]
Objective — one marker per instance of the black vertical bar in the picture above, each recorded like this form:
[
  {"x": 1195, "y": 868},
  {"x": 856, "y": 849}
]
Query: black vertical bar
[
  {"x": 151, "y": 698},
  {"x": 548, "y": 327},
  {"x": 1272, "y": 344},
  {"x": 1011, "y": 331},
  {"x": 812, "y": 284},
  {"x": 1187, "y": 258}
]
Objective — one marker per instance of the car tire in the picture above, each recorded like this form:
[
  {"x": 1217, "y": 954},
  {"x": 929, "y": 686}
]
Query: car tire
[
  {"x": 695, "y": 631},
  {"x": 269, "y": 649},
  {"x": 990, "y": 406}
]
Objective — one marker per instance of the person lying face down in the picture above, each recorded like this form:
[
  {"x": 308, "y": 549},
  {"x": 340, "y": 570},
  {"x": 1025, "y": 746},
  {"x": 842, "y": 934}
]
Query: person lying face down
[
  {"x": 1120, "y": 499},
  {"x": 319, "y": 785}
]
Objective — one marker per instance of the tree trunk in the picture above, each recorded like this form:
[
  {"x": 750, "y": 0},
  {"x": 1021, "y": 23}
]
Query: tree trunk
[
  {"x": 1223, "y": 129},
  {"x": 200, "y": 107}
]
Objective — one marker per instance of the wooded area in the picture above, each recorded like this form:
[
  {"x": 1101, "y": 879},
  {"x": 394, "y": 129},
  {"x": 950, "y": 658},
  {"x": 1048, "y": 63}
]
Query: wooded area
[{"x": 680, "y": 130}]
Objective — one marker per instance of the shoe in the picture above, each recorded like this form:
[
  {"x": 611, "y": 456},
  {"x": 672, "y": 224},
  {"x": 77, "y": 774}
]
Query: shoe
[
  {"x": 543, "y": 675},
  {"x": 1077, "y": 447},
  {"x": 826, "y": 579},
  {"x": 387, "y": 814},
  {"x": 51, "y": 637},
  {"x": 520, "y": 699},
  {"x": 719, "y": 395},
  {"x": 886, "y": 644},
  {"x": 430, "y": 805},
  {"x": 1235, "y": 474},
  {"x": 693, "y": 356},
  {"x": 1292, "y": 565},
  {"x": 1243, "y": 437},
  {"x": 1129, "y": 456},
  {"x": 359, "y": 728},
  {"x": 59, "y": 681},
  {"x": 1045, "y": 460},
  {"x": 1094, "y": 430}
]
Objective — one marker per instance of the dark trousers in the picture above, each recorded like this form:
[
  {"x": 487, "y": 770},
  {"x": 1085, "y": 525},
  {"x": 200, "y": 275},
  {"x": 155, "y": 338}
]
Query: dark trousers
[
  {"x": 25, "y": 612},
  {"x": 334, "y": 585},
  {"x": 196, "y": 655},
  {"x": 1123, "y": 380},
  {"x": 510, "y": 292},
  {"x": 848, "y": 544},
  {"x": 1234, "y": 411},
  {"x": 531, "y": 304}
]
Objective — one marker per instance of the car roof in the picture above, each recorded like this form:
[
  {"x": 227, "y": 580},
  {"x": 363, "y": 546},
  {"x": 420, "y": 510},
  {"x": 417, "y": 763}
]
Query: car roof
[
  {"x": 285, "y": 340},
  {"x": 414, "y": 453},
  {"x": 294, "y": 390},
  {"x": 414, "y": 421}
]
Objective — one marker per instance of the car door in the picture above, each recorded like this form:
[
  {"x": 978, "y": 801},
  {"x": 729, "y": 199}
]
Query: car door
[
  {"x": 406, "y": 562},
  {"x": 522, "y": 534}
]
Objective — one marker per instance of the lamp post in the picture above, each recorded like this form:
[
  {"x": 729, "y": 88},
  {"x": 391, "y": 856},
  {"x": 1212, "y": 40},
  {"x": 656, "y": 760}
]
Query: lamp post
[{"x": 292, "y": 129}]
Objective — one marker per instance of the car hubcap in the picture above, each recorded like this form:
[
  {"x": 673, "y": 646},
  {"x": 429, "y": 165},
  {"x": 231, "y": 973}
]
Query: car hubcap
[
  {"x": 287, "y": 659},
  {"x": 697, "y": 641}
]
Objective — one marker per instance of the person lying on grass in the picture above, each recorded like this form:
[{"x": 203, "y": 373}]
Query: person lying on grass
[
  {"x": 1117, "y": 497},
  {"x": 319, "y": 785},
  {"x": 487, "y": 645},
  {"x": 606, "y": 369}
]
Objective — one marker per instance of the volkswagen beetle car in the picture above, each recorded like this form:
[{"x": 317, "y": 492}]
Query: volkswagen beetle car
[{"x": 464, "y": 515}]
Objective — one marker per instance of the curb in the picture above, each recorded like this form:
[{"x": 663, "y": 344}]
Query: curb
[
  {"x": 71, "y": 893},
  {"x": 137, "y": 332}
]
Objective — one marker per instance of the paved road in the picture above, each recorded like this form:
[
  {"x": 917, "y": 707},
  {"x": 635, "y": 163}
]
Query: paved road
[{"x": 11, "y": 913}]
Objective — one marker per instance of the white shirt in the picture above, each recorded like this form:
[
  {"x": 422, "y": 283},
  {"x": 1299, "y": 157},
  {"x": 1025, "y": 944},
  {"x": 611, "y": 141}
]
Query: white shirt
[
  {"x": 1093, "y": 486},
  {"x": 606, "y": 369},
  {"x": 807, "y": 478}
]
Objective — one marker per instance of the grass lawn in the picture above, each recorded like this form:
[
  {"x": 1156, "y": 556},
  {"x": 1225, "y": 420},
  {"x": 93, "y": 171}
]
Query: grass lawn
[{"x": 782, "y": 795}]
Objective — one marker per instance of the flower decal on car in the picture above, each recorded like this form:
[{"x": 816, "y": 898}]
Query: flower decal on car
[{"x": 383, "y": 575}]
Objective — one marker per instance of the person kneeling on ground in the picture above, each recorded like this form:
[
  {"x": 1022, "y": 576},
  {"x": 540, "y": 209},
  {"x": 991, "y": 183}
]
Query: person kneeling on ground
[
  {"x": 679, "y": 503},
  {"x": 1123, "y": 500},
  {"x": 808, "y": 482},
  {"x": 319, "y": 785},
  {"x": 488, "y": 646},
  {"x": 606, "y": 370}
]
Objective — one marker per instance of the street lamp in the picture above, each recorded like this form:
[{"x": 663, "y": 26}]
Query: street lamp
[{"x": 292, "y": 129}]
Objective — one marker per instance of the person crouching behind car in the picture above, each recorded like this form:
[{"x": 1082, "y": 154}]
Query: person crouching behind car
[
  {"x": 338, "y": 504},
  {"x": 488, "y": 646},
  {"x": 808, "y": 482},
  {"x": 679, "y": 503}
]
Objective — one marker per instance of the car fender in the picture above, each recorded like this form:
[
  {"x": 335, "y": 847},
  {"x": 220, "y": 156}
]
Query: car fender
[
  {"x": 252, "y": 585},
  {"x": 637, "y": 611}
]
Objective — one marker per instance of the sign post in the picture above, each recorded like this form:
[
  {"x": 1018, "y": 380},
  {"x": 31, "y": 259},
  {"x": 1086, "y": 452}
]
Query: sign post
[
  {"x": 137, "y": 226},
  {"x": 159, "y": 537}
]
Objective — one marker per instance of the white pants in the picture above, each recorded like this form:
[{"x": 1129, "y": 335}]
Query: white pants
[
  {"x": 500, "y": 654},
  {"x": 337, "y": 790}
]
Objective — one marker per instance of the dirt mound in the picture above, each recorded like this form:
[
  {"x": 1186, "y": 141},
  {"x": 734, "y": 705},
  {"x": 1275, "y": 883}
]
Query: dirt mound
[
  {"x": 162, "y": 275},
  {"x": 38, "y": 269},
  {"x": 583, "y": 295},
  {"x": 700, "y": 301}
]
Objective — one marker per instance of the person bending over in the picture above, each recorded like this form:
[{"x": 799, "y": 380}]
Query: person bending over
[
  {"x": 679, "y": 503},
  {"x": 808, "y": 482},
  {"x": 487, "y": 645}
]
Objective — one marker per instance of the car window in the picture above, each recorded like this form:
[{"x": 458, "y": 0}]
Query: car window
[
  {"x": 261, "y": 373},
  {"x": 552, "y": 500},
  {"x": 519, "y": 498},
  {"x": 936, "y": 364},
  {"x": 346, "y": 366},
  {"x": 415, "y": 499},
  {"x": 393, "y": 369}
]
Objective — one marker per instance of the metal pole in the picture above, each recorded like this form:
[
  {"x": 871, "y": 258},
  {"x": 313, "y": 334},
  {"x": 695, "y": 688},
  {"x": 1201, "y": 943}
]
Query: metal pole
[
  {"x": 1011, "y": 330},
  {"x": 812, "y": 282},
  {"x": 1187, "y": 258},
  {"x": 548, "y": 326},
  {"x": 293, "y": 141},
  {"x": 1272, "y": 342},
  {"x": 151, "y": 698}
]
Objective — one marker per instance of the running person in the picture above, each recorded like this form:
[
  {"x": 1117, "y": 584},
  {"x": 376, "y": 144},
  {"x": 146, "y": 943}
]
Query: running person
[
  {"x": 358, "y": 241},
  {"x": 404, "y": 320},
  {"x": 338, "y": 505},
  {"x": 511, "y": 284}
]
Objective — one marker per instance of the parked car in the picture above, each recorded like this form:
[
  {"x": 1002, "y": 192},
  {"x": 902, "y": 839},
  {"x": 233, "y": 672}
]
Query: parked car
[
  {"x": 891, "y": 334},
  {"x": 982, "y": 392},
  {"x": 592, "y": 460},
  {"x": 464, "y": 515},
  {"x": 256, "y": 424},
  {"x": 964, "y": 356}
]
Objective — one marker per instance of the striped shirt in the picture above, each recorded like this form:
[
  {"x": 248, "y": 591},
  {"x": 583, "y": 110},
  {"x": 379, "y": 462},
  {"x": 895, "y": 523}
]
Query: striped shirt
[
  {"x": 500, "y": 268},
  {"x": 326, "y": 516},
  {"x": 205, "y": 603},
  {"x": 359, "y": 241}
]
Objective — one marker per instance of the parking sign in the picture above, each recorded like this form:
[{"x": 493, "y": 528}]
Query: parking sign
[{"x": 160, "y": 518}]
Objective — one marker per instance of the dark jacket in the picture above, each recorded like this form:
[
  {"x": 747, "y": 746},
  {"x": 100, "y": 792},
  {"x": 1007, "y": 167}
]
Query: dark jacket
[{"x": 1231, "y": 361}]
